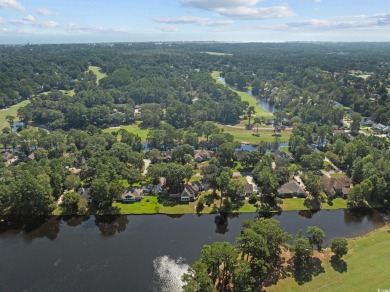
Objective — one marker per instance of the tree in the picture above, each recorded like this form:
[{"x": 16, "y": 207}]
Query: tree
[
  {"x": 10, "y": 119},
  {"x": 243, "y": 281},
  {"x": 209, "y": 128},
  {"x": 70, "y": 201},
  {"x": 197, "y": 279},
  {"x": 268, "y": 183},
  {"x": 30, "y": 196},
  {"x": 339, "y": 246},
  {"x": 302, "y": 251},
  {"x": 257, "y": 121},
  {"x": 223, "y": 181},
  {"x": 249, "y": 112},
  {"x": 216, "y": 255},
  {"x": 355, "y": 124},
  {"x": 317, "y": 236}
]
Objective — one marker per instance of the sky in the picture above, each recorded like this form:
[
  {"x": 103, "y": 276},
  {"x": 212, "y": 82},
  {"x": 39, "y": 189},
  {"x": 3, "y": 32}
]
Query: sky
[{"x": 74, "y": 21}]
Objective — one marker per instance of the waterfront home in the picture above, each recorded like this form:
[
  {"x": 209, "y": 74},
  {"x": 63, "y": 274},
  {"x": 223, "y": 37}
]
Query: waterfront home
[
  {"x": 132, "y": 195},
  {"x": 337, "y": 186},
  {"x": 291, "y": 189},
  {"x": 283, "y": 154},
  {"x": 84, "y": 194}
]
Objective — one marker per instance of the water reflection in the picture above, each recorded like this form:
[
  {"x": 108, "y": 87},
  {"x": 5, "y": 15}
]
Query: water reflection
[
  {"x": 110, "y": 225},
  {"x": 117, "y": 252}
]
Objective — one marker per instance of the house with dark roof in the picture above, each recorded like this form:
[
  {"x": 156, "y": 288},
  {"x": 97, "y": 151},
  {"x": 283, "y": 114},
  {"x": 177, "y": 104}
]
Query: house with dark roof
[
  {"x": 131, "y": 195},
  {"x": 283, "y": 154},
  {"x": 336, "y": 186},
  {"x": 189, "y": 193},
  {"x": 166, "y": 156},
  {"x": 291, "y": 189}
]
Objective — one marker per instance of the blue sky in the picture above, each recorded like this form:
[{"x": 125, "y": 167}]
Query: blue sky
[{"x": 64, "y": 21}]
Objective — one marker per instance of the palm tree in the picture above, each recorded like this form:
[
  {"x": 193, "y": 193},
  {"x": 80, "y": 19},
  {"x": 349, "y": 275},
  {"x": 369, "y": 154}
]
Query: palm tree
[
  {"x": 257, "y": 121},
  {"x": 249, "y": 112}
]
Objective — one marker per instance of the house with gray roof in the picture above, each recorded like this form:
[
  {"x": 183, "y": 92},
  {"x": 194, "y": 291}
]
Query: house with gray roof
[{"x": 291, "y": 189}]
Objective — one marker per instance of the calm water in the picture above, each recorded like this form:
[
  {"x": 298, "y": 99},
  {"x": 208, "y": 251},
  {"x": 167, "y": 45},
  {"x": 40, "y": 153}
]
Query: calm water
[{"x": 136, "y": 253}]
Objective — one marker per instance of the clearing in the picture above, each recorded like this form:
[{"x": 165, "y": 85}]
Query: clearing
[
  {"x": 96, "y": 70},
  {"x": 11, "y": 111}
]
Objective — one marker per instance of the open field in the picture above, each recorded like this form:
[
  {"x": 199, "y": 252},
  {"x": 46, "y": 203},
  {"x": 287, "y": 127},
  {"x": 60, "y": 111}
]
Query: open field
[
  {"x": 96, "y": 70},
  {"x": 11, "y": 111},
  {"x": 367, "y": 267},
  {"x": 218, "y": 54},
  {"x": 68, "y": 92},
  {"x": 250, "y": 136},
  {"x": 252, "y": 101},
  {"x": 133, "y": 128}
]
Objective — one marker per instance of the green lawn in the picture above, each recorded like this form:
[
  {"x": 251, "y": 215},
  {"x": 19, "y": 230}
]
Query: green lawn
[
  {"x": 260, "y": 112},
  {"x": 150, "y": 205},
  {"x": 11, "y": 111},
  {"x": 367, "y": 264},
  {"x": 68, "y": 92},
  {"x": 133, "y": 128},
  {"x": 337, "y": 175},
  {"x": 250, "y": 136},
  {"x": 294, "y": 204},
  {"x": 388, "y": 90},
  {"x": 96, "y": 70}
]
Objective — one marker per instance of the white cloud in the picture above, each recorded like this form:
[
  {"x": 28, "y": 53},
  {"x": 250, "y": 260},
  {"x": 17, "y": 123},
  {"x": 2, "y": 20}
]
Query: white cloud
[
  {"x": 168, "y": 28},
  {"x": 243, "y": 9},
  {"x": 202, "y": 21},
  {"x": 11, "y": 4},
  {"x": 218, "y": 4},
  {"x": 44, "y": 11},
  {"x": 2, "y": 22},
  {"x": 29, "y": 18},
  {"x": 257, "y": 12}
]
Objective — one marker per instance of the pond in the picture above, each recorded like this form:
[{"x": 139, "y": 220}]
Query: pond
[{"x": 137, "y": 253}]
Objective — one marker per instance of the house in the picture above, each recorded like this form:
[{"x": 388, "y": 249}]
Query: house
[
  {"x": 84, "y": 194},
  {"x": 284, "y": 155},
  {"x": 386, "y": 130},
  {"x": 367, "y": 122},
  {"x": 189, "y": 193},
  {"x": 166, "y": 156},
  {"x": 337, "y": 186},
  {"x": 31, "y": 157},
  {"x": 248, "y": 190},
  {"x": 291, "y": 189},
  {"x": 153, "y": 189},
  {"x": 132, "y": 195},
  {"x": 378, "y": 127},
  {"x": 202, "y": 155},
  {"x": 198, "y": 185}
]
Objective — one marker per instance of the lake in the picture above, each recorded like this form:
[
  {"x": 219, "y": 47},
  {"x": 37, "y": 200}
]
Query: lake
[{"x": 137, "y": 253}]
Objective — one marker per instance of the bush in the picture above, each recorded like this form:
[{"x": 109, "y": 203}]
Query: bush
[{"x": 253, "y": 198}]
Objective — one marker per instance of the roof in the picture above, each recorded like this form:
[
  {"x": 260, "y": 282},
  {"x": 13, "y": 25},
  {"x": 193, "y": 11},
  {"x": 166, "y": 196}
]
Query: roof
[
  {"x": 333, "y": 184},
  {"x": 189, "y": 191},
  {"x": 292, "y": 187},
  {"x": 248, "y": 188}
]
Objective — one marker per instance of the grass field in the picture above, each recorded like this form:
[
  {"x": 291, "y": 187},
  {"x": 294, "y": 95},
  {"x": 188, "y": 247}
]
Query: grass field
[
  {"x": 260, "y": 112},
  {"x": 388, "y": 90},
  {"x": 248, "y": 136},
  {"x": 367, "y": 267},
  {"x": 218, "y": 54},
  {"x": 11, "y": 111},
  {"x": 96, "y": 70},
  {"x": 133, "y": 128},
  {"x": 68, "y": 92}
]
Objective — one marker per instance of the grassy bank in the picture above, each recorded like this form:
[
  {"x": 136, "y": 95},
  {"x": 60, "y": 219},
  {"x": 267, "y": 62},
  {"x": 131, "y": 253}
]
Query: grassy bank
[
  {"x": 366, "y": 267},
  {"x": 133, "y": 128},
  {"x": 252, "y": 101},
  {"x": 11, "y": 111}
]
